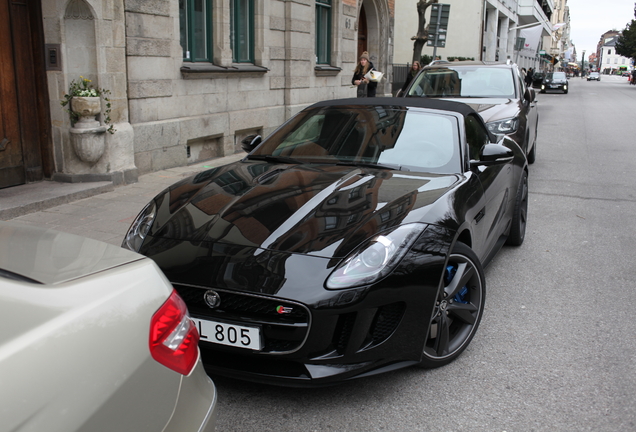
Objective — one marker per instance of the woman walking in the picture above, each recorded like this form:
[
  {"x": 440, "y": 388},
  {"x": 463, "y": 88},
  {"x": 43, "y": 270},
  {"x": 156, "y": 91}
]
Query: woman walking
[
  {"x": 366, "y": 88},
  {"x": 415, "y": 68}
]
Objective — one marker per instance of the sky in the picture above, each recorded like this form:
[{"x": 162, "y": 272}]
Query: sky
[{"x": 589, "y": 19}]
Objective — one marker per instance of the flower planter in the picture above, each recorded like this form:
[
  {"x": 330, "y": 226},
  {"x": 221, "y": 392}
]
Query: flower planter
[{"x": 86, "y": 108}]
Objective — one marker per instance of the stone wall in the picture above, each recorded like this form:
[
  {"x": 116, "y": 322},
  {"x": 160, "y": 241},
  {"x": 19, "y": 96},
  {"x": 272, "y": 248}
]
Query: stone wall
[
  {"x": 184, "y": 112},
  {"x": 169, "y": 112}
]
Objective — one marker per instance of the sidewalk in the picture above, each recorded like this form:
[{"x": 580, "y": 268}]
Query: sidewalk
[{"x": 99, "y": 211}]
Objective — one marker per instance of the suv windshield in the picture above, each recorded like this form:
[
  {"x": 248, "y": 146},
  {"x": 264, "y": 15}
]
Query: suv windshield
[
  {"x": 464, "y": 81},
  {"x": 556, "y": 75}
]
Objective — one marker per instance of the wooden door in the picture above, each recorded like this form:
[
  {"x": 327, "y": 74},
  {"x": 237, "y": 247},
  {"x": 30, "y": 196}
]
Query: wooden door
[
  {"x": 11, "y": 158},
  {"x": 25, "y": 145}
]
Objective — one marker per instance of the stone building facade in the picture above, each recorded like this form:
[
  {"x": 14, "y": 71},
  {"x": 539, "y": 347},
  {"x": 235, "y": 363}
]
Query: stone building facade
[{"x": 187, "y": 79}]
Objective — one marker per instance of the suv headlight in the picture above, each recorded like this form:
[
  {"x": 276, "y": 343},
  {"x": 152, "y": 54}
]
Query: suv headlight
[
  {"x": 376, "y": 258},
  {"x": 503, "y": 127},
  {"x": 140, "y": 228}
]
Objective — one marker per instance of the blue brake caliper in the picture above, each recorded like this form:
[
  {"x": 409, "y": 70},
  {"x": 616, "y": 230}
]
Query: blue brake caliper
[{"x": 450, "y": 274}]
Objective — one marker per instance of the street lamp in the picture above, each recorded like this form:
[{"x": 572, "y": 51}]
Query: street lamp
[{"x": 583, "y": 64}]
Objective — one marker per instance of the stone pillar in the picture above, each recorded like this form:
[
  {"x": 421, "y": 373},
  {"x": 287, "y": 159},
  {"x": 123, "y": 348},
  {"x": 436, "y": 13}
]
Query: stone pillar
[
  {"x": 504, "y": 54},
  {"x": 490, "y": 40}
]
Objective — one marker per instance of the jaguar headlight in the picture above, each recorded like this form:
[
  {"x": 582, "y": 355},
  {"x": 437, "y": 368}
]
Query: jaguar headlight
[
  {"x": 503, "y": 127},
  {"x": 376, "y": 258},
  {"x": 140, "y": 228}
]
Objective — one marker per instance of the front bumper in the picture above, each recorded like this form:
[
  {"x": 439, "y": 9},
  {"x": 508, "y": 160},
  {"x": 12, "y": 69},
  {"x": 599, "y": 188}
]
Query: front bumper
[
  {"x": 324, "y": 336},
  {"x": 344, "y": 335}
]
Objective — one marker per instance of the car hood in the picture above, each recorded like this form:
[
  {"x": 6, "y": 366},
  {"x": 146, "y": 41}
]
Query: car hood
[
  {"x": 52, "y": 257},
  {"x": 491, "y": 109},
  {"x": 323, "y": 210}
]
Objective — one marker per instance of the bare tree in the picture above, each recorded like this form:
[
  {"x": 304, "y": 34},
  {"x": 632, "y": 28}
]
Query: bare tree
[{"x": 422, "y": 29}]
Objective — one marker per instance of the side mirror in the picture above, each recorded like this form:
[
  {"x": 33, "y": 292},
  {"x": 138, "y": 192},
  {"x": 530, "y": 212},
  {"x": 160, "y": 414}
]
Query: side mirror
[
  {"x": 493, "y": 154},
  {"x": 530, "y": 95},
  {"x": 250, "y": 142}
]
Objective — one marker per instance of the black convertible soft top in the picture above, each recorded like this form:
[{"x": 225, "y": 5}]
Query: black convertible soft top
[
  {"x": 444, "y": 105},
  {"x": 429, "y": 103}
]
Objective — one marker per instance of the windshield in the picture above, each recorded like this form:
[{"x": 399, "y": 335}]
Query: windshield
[
  {"x": 464, "y": 81},
  {"x": 388, "y": 137},
  {"x": 556, "y": 75}
]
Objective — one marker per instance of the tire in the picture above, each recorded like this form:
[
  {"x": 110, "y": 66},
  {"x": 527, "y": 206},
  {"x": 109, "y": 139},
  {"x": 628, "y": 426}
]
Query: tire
[
  {"x": 520, "y": 214},
  {"x": 565, "y": 92},
  {"x": 459, "y": 308}
]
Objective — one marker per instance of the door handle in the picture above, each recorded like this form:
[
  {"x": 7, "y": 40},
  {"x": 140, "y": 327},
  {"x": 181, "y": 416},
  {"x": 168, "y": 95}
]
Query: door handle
[{"x": 4, "y": 143}]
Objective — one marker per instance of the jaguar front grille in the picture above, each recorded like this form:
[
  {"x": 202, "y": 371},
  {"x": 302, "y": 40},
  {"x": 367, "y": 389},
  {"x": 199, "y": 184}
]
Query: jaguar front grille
[{"x": 284, "y": 324}]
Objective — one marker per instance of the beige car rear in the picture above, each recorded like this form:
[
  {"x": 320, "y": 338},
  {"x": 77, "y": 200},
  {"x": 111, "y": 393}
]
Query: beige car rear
[{"x": 74, "y": 341}]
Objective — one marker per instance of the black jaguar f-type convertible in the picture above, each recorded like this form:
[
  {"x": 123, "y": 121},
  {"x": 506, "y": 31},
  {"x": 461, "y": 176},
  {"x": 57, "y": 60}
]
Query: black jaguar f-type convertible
[{"x": 347, "y": 243}]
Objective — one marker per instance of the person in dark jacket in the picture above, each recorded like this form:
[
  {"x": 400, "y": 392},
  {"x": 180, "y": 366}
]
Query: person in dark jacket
[
  {"x": 366, "y": 88},
  {"x": 415, "y": 68},
  {"x": 528, "y": 77}
]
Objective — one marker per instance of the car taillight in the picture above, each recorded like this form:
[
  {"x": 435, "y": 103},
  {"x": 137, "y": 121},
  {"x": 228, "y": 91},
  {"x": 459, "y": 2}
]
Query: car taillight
[{"x": 174, "y": 337}]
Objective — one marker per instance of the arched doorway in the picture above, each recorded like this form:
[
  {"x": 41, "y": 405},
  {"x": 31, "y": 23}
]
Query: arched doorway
[
  {"x": 374, "y": 26},
  {"x": 362, "y": 31}
]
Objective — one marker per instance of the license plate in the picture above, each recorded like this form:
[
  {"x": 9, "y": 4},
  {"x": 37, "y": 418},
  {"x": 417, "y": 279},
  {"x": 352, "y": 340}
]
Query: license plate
[
  {"x": 229, "y": 334},
  {"x": 554, "y": 86}
]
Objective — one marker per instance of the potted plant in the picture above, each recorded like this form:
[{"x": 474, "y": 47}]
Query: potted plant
[{"x": 84, "y": 103}]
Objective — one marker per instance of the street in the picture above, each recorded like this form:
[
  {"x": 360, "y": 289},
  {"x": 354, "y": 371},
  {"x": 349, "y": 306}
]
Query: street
[{"x": 555, "y": 349}]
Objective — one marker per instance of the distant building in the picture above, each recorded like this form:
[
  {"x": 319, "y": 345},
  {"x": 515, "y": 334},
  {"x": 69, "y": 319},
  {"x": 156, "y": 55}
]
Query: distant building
[
  {"x": 593, "y": 62},
  {"x": 611, "y": 62},
  {"x": 560, "y": 53},
  {"x": 479, "y": 29}
]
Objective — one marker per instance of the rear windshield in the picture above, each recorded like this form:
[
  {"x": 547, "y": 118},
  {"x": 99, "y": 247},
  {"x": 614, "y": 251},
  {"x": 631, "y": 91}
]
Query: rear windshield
[{"x": 465, "y": 81}]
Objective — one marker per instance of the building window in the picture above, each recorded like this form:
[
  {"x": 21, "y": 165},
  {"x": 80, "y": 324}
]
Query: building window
[
  {"x": 242, "y": 31},
  {"x": 331, "y": 222},
  {"x": 323, "y": 31},
  {"x": 195, "y": 25},
  {"x": 609, "y": 51}
]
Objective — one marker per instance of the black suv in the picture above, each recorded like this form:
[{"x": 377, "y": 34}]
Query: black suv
[
  {"x": 555, "y": 81},
  {"x": 495, "y": 90}
]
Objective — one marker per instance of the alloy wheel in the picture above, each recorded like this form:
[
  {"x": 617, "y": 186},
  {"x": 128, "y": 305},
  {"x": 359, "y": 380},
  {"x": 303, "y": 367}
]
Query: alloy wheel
[{"x": 458, "y": 309}]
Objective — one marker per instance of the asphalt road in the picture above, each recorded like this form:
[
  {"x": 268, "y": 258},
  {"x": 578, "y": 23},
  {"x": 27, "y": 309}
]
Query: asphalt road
[{"x": 556, "y": 348}]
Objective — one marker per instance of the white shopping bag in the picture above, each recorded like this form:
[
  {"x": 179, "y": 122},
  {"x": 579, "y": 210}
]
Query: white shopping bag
[{"x": 374, "y": 76}]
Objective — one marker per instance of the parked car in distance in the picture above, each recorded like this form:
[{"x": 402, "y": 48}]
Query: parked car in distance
[
  {"x": 348, "y": 243},
  {"x": 594, "y": 76},
  {"x": 94, "y": 338},
  {"x": 495, "y": 90},
  {"x": 537, "y": 79},
  {"x": 555, "y": 81}
]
